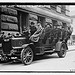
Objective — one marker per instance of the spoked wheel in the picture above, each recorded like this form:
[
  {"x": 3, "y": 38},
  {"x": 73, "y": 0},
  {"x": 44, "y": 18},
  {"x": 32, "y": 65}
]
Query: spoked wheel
[
  {"x": 62, "y": 52},
  {"x": 27, "y": 56}
]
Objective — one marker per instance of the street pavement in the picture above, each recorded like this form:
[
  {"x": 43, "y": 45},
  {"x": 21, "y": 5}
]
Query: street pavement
[{"x": 45, "y": 63}]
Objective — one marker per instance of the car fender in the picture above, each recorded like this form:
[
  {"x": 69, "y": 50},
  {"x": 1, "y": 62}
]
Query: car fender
[
  {"x": 58, "y": 46},
  {"x": 25, "y": 45}
]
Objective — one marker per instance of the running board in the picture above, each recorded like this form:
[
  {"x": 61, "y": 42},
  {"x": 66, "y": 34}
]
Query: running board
[{"x": 49, "y": 51}]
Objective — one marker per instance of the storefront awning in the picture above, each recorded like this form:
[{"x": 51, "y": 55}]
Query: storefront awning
[{"x": 46, "y": 13}]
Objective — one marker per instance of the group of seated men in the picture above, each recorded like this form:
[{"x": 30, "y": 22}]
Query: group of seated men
[{"x": 35, "y": 31}]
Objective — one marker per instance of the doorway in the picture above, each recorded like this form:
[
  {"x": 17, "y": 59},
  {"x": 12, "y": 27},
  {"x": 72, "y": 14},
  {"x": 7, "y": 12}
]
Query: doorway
[{"x": 23, "y": 19}]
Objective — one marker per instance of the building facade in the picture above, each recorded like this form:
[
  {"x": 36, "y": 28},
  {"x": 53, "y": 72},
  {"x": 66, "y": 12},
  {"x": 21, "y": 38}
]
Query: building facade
[
  {"x": 15, "y": 19},
  {"x": 73, "y": 25}
]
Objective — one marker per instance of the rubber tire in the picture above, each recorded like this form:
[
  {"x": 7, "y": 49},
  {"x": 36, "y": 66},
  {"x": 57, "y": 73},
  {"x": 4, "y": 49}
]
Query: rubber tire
[
  {"x": 60, "y": 54},
  {"x": 22, "y": 55}
]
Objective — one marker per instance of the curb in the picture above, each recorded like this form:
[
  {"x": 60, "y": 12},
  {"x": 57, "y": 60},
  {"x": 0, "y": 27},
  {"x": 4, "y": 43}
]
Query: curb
[{"x": 71, "y": 47}]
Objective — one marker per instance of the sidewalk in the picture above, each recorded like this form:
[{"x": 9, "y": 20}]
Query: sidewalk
[{"x": 71, "y": 47}]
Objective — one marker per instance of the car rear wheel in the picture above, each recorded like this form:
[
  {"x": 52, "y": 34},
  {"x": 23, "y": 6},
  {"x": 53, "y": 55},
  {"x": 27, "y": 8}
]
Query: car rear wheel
[
  {"x": 62, "y": 52},
  {"x": 27, "y": 56}
]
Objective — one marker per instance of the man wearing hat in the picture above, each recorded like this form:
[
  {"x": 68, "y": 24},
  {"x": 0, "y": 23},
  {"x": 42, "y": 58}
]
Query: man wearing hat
[
  {"x": 36, "y": 35},
  {"x": 32, "y": 28}
]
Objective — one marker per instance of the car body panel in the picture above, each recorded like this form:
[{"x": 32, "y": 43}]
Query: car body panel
[{"x": 48, "y": 41}]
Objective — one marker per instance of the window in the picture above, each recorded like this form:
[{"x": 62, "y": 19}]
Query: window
[
  {"x": 54, "y": 7},
  {"x": 47, "y": 6},
  {"x": 63, "y": 9},
  {"x": 67, "y": 10},
  {"x": 59, "y": 8},
  {"x": 9, "y": 22}
]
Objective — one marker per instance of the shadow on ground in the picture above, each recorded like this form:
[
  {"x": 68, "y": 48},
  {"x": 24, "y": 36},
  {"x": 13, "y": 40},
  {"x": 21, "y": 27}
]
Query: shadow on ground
[
  {"x": 36, "y": 60},
  {"x": 70, "y": 50}
]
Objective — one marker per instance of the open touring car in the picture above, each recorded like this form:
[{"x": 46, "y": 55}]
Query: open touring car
[{"x": 52, "y": 40}]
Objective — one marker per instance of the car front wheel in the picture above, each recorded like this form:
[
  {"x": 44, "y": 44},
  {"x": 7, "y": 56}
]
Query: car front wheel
[{"x": 27, "y": 56}]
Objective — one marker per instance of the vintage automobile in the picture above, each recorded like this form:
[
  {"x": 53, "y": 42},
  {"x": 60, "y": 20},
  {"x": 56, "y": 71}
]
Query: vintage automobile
[{"x": 51, "y": 40}]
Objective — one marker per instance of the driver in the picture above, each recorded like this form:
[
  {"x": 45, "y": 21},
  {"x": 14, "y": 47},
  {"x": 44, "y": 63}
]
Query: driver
[{"x": 33, "y": 28}]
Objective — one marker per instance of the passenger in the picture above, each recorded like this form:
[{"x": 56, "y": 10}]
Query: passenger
[
  {"x": 37, "y": 34},
  {"x": 33, "y": 28},
  {"x": 9, "y": 35},
  {"x": 39, "y": 29},
  {"x": 64, "y": 33},
  {"x": 68, "y": 34},
  {"x": 39, "y": 26},
  {"x": 47, "y": 28},
  {"x": 47, "y": 33},
  {"x": 17, "y": 34},
  {"x": 26, "y": 32}
]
